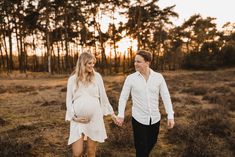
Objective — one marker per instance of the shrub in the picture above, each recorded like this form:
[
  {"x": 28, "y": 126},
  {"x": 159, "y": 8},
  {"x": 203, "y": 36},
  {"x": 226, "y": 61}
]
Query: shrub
[
  {"x": 113, "y": 99},
  {"x": 191, "y": 100},
  {"x": 12, "y": 147},
  {"x": 200, "y": 60},
  {"x": 178, "y": 134},
  {"x": 103, "y": 153},
  {"x": 195, "y": 90},
  {"x": 2, "y": 122},
  {"x": 51, "y": 103},
  {"x": 199, "y": 145},
  {"x": 217, "y": 126},
  {"x": 116, "y": 87},
  {"x": 207, "y": 134},
  {"x": 221, "y": 90},
  {"x": 2, "y": 89},
  {"x": 64, "y": 89},
  {"x": 121, "y": 136},
  {"x": 175, "y": 99},
  {"x": 23, "y": 89},
  {"x": 212, "y": 98},
  {"x": 228, "y": 55},
  {"x": 203, "y": 114},
  {"x": 226, "y": 100},
  {"x": 232, "y": 84}
]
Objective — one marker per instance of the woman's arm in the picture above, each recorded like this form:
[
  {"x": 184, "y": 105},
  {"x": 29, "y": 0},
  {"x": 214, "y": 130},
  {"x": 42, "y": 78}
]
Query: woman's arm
[
  {"x": 106, "y": 107},
  {"x": 69, "y": 97}
]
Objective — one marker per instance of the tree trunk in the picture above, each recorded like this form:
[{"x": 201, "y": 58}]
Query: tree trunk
[
  {"x": 110, "y": 61},
  {"x": 18, "y": 47},
  {"x": 138, "y": 27},
  {"x": 6, "y": 51},
  {"x": 22, "y": 60},
  {"x": 154, "y": 65},
  {"x": 2, "y": 62},
  {"x": 48, "y": 52},
  {"x": 66, "y": 24},
  {"x": 62, "y": 58},
  {"x": 103, "y": 57},
  {"x": 53, "y": 61},
  {"x": 10, "y": 53},
  {"x": 25, "y": 59},
  {"x": 124, "y": 63},
  {"x": 10, "y": 46},
  {"x": 58, "y": 57},
  {"x": 35, "y": 63}
]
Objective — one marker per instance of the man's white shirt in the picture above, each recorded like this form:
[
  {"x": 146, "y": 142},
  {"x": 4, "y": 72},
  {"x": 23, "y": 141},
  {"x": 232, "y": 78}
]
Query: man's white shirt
[{"x": 145, "y": 97}]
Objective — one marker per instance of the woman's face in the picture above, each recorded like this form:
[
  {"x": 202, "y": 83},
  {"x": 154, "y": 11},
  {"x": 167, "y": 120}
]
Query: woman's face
[{"x": 90, "y": 65}]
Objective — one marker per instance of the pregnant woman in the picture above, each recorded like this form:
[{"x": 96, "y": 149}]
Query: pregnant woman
[{"x": 86, "y": 103}]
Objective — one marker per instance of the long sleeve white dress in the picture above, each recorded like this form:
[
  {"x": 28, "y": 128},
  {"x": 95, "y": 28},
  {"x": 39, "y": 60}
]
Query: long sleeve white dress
[{"x": 88, "y": 101}]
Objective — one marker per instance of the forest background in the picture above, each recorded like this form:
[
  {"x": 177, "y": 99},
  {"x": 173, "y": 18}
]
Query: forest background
[{"x": 40, "y": 41}]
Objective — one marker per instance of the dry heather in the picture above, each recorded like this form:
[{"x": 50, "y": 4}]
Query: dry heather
[{"x": 32, "y": 110}]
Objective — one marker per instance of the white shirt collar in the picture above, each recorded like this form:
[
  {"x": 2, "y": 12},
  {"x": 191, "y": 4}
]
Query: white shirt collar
[{"x": 150, "y": 70}]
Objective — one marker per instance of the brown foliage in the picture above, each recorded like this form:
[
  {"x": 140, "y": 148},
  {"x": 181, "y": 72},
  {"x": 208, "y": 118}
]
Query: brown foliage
[
  {"x": 11, "y": 147},
  {"x": 204, "y": 133},
  {"x": 121, "y": 136},
  {"x": 196, "y": 90}
]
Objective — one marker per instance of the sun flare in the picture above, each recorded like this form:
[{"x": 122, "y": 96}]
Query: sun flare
[{"x": 123, "y": 46}]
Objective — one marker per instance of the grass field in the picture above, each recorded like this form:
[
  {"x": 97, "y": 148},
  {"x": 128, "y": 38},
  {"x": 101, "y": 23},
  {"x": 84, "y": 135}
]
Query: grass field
[{"x": 32, "y": 111}]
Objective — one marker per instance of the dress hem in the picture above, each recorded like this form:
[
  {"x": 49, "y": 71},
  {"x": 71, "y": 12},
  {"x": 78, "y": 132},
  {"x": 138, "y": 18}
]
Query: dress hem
[{"x": 85, "y": 135}]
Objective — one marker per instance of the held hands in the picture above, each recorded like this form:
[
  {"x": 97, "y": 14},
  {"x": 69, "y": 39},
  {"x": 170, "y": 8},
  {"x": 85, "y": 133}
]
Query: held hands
[
  {"x": 83, "y": 120},
  {"x": 117, "y": 120},
  {"x": 120, "y": 121}
]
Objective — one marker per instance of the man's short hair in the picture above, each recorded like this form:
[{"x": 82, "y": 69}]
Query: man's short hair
[{"x": 145, "y": 54}]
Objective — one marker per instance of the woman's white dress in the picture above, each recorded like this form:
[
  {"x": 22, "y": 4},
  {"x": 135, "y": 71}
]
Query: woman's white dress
[{"x": 87, "y": 101}]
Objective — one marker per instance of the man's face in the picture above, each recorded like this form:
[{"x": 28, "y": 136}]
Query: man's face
[{"x": 140, "y": 64}]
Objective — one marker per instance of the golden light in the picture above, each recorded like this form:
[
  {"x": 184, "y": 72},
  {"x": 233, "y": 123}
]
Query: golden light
[
  {"x": 123, "y": 46},
  {"x": 126, "y": 43}
]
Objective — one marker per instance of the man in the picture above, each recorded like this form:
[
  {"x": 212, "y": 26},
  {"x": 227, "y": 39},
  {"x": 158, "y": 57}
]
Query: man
[{"x": 145, "y": 85}]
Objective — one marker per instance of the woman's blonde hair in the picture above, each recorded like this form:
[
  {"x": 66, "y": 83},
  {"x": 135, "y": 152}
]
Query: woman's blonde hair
[{"x": 83, "y": 59}]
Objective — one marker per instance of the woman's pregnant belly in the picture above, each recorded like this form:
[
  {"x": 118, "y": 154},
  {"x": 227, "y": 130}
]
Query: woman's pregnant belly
[{"x": 86, "y": 106}]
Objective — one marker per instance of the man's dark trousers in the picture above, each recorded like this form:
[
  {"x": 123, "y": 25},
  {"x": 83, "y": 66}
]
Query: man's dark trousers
[{"x": 145, "y": 137}]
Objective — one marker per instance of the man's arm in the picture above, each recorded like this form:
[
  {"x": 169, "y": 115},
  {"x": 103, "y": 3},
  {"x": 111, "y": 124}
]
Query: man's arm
[
  {"x": 126, "y": 89},
  {"x": 164, "y": 92}
]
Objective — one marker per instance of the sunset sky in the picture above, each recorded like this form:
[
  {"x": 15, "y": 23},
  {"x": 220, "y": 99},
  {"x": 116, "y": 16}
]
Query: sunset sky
[{"x": 223, "y": 10}]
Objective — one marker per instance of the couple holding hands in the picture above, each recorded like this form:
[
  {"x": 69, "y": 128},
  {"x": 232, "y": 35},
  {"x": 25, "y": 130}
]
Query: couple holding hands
[{"x": 87, "y": 103}]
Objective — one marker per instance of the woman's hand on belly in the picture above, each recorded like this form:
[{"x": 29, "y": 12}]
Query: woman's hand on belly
[{"x": 83, "y": 120}]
